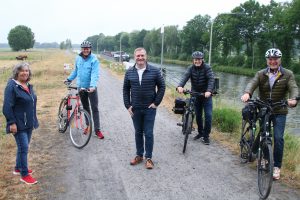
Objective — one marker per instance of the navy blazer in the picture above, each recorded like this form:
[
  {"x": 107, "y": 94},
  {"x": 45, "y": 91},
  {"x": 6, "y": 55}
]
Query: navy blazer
[
  {"x": 151, "y": 90},
  {"x": 19, "y": 107}
]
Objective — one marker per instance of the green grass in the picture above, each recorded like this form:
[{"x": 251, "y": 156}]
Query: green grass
[
  {"x": 226, "y": 119},
  {"x": 291, "y": 153}
]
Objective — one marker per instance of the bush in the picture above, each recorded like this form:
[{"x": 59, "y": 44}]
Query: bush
[
  {"x": 295, "y": 67},
  {"x": 237, "y": 61},
  {"x": 226, "y": 119},
  {"x": 183, "y": 56}
]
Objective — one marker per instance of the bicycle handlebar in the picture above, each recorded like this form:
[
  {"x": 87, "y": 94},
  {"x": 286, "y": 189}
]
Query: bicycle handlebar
[
  {"x": 70, "y": 86},
  {"x": 197, "y": 94},
  {"x": 270, "y": 104}
]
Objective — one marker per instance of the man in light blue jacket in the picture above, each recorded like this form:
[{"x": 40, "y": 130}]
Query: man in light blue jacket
[{"x": 87, "y": 73}]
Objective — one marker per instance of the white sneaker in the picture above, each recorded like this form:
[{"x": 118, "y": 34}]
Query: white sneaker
[{"x": 276, "y": 173}]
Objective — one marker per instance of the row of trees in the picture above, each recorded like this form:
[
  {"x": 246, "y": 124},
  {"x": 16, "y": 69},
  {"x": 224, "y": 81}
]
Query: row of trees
[{"x": 240, "y": 38}]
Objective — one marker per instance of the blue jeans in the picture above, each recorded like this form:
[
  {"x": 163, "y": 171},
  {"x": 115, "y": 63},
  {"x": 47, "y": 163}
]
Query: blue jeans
[
  {"x": 278, "y": 130},
  {"x": 143, "y": 122},
  {"x": 206, "y": 105},
  {"x": 22, "y": 139}
]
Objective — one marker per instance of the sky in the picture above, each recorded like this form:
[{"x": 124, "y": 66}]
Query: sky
[{"x": 58, "y": 20}]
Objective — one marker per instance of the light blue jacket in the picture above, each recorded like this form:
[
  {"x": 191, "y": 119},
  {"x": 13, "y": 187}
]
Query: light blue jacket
[{"x": 86, "y": 70}]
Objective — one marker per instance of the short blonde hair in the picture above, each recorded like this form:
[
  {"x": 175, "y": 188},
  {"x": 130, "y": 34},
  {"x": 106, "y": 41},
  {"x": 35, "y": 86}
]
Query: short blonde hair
[{"x": 140, "y": 49}]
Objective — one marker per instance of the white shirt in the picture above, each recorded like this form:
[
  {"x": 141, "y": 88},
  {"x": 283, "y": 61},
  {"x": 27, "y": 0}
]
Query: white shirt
[{"x": 140, "y": 72}]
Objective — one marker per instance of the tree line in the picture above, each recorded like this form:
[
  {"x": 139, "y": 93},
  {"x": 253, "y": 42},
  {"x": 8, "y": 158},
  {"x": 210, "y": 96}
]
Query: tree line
[{"x": 239, "y": 38}]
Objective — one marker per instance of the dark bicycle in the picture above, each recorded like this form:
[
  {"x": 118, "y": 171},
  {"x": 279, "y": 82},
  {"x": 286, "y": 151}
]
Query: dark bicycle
[
  {"x": 78, "y": 121},
  {"x": 185, "y": 107},
  {"x": 261, "y": 112}
]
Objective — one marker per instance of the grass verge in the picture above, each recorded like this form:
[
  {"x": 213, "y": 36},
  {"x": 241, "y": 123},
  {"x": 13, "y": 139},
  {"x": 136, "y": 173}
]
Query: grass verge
[{"x": 226, "y": 130}]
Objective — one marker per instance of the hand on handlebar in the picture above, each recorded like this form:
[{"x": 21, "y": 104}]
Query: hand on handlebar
[
  {"x": 245, "y": 97},
  {"x": 67, "y": 82},
  {"x": 180, "y": 90},
  {"x": 207, "y": 94},
  {"x": 292, "y": 102}
]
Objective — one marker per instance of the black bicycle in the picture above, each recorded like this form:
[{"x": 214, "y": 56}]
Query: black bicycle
[
  {"x": 258, "y": 111},
  {"x": 185, "y": 107}
]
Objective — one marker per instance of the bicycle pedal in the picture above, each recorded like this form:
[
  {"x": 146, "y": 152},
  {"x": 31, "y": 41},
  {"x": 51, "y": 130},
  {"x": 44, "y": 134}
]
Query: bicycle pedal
[{"x": 179, "y": 124}]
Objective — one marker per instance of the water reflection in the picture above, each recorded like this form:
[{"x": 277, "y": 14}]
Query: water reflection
[{"x": 230, "y": 91}]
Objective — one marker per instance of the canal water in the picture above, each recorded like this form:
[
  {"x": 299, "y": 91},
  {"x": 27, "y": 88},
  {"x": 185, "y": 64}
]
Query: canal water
[{"x": 231, "y": 88}]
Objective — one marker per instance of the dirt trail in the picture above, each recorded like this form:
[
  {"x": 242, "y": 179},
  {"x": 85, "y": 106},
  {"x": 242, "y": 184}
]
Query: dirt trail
[{"x": 101, "y": 170}]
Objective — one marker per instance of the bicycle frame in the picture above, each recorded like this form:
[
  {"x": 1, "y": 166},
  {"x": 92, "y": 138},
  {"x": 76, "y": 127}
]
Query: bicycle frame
[{"x": 70, "y": 97}]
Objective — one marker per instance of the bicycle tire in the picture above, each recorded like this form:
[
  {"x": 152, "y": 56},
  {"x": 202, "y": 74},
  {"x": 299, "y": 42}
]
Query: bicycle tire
[
  {"x": 62, "y": 118},
  {"x": 246, "y": 141},
  {"x": 265, "y": 170},
  {"x": 183, "y": 122},
  {"x": 80, "y": 128},
  {"x": 188, "y": 130}
]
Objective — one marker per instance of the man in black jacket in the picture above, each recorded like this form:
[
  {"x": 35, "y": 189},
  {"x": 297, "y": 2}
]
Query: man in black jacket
[
  {"x": 202, "y": 80},
  {"x": 143, "y": 91}
]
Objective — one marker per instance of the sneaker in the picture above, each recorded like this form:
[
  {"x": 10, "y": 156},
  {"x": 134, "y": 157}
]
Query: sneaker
[
  {"x": 136, "y": 160},
  {"x": 86, "y": 130},
  {"x": 276, "y": 173},
  {"x": 18, "y": 172},
  {"x": 205, "y": 140},
  {"x": 28, "y": 180},
  {"x": 198, "y": 136},
  {"x": 149, "y": 164},
  {"x": 99, "y": 134}
]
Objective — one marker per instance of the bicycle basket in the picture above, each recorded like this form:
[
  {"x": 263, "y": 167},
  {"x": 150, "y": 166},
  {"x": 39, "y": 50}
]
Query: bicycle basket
[
  {"x": 179, "y": 106},
  {"x": 248, "y": 111}
]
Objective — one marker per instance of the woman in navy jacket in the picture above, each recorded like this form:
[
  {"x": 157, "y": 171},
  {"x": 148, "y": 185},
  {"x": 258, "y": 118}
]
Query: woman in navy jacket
[{"x": 19, "y": 109}]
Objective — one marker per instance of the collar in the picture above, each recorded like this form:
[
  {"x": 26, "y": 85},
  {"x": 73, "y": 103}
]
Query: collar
[
  {"x": 280, "y": 69},
  {"x": 81, "y": 54},
  {"x": 147, "y": 68}
]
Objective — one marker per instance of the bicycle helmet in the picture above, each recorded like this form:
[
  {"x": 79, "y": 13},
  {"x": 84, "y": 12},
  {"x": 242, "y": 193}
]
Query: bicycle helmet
[
  {"x": 273, "y": 53},
  {"x": 86, "y": 44},
  {"x": 198, "y": 54}
]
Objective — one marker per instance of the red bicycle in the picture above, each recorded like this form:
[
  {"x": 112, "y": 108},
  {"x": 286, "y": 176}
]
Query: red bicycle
[{"x": 71, "y": 114}]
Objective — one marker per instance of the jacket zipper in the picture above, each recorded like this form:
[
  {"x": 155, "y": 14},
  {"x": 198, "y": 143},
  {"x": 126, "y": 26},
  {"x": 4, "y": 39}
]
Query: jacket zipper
[{"x": 25, "y": 118}]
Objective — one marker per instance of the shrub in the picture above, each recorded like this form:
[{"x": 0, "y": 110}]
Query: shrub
[{"x": 226, "y": 119}]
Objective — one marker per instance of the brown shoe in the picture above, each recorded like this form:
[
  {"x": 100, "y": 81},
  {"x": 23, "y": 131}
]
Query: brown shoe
[
  {"x": 136, "y": 160},
  {"x": 149, "y": 164}
]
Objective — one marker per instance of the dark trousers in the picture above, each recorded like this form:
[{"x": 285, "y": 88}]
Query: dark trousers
[
  {"x": 22, "y": 139},
  {"x": 143, "y": 121},
  {"x": 93, "y": 96},
  {"x": 206, "y": 105}
]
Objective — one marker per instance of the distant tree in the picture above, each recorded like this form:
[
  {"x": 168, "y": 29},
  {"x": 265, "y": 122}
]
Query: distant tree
[
  {"x": 66, "y": 44},
  {"x": 21, "y": 37},
  {"x": 62, "y": 45}
]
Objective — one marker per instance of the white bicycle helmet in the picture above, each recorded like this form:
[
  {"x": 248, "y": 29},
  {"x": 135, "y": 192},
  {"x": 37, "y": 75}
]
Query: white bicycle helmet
[
  {"x": 273, "y": 53},
  {"x": 86, "y": 44}
]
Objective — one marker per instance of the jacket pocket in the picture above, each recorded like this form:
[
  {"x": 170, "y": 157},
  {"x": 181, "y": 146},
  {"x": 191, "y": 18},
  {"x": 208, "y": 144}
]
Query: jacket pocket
[{"x": 25, "y": 119}]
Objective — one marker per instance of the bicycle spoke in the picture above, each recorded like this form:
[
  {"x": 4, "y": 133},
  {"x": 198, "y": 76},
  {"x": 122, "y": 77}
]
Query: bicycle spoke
[{"x": 80, "y": 128}]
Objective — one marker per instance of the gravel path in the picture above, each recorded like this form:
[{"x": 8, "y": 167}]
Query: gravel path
[{"x": 101, "y": 170}]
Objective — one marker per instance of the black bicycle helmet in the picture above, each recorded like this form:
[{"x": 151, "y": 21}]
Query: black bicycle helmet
[
  {"x": 86, "y": 44},
  {"x": 273, "y": 53},
  {"x": 198, "y": 54}
]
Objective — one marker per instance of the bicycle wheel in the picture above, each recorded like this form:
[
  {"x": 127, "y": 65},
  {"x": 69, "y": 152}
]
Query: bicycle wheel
[
  {"x": 246, "y": 141},
  {"x": 188, "y": 129},
  {"x": 265, "y": 170},
  {"x": 183, "y": 122},
  {"x": 62, "y": 116},
  {"x": 80, "y": 128}
]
